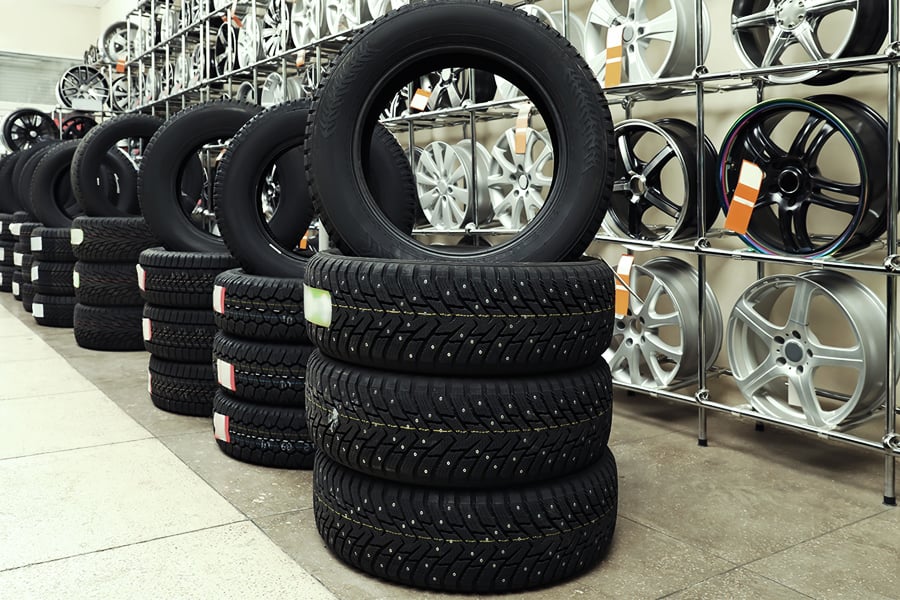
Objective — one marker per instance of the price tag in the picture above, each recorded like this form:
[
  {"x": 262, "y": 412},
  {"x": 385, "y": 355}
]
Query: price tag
[
  {"x": 149, "y": 381},
  {"x": 15, "y": 229},
  {"x": 36, "y": 244},
  {"x": 523, "y": 124},
  {"x": 744, "y": 199},
  {"x": 141, "y": 277},
  {"x": 35, "y": 273},
  {"x": 2, "y": 254},
  {"x": 236, "y": 20},
  {"x": 77, "y": 236},
  {"x": 301, "y": 58},
  {"x": 17, "y": 258},
  {"x": 317, "y": 306},
  {"x": 304, "y": 243},
  {"x": 623, "y": 282},
  {"x": 221, "y": 427},
  {"x": 225, "y": 375},
  {"x": 420, "y": 100},
  {"x": 613, "y": 72},
  {"x": 120, "y": 65},
  {"x": 37, "y": 310},
  {"x": 76, "y": 280},
  {"x": 219, "y": 299},
  {"x": 147, "y": 327},
  {"x": 16, "y": 290}
]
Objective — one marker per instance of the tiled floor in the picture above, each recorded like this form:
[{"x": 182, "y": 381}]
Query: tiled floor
[{"x": 104, "y": 496}]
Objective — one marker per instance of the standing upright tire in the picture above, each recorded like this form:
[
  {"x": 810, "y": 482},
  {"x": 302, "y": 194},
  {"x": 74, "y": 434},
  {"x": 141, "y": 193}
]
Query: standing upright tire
[{"x": 485, "y": 35}]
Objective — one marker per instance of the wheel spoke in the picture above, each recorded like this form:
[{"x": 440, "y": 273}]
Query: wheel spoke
[
  {"x": 824, "y": 7},
  {"x": 626, "y": 154},
  {"x": 661, "y": 377},
  {"x": 779, "y": 41},
  {"x": 747, "y": 314},
  {"x": 758, "y": 19},
  {"x": 848, "y": 189},
  {"x": 761, "y": 145},
  {"x": 807, "y": 38},
  {"x": 660, "y": 347},
  {"x": 815, "y": 147},
  {"x": 833, "y": 356},
  {"x": 760, "y": 376},
  {"x": 659, "y": 161},
  {"x": 812, "y": 410},
  {"x": 662, "y": 27},
  {"x": 803, "y": 134},
  {"x": 658, "y": 200},
  {"x": 803, "y": 295},
  {"x": 603, "y": 13}
]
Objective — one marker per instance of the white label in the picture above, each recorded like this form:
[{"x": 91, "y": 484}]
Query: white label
[
  {"x": 148, "y": 329},
  {"x": 225, "y": 375},
  {"x": 36, "y": 244},
  {"x": 1, "y": 279},
  {"x": 149, "y": 382},
  {"x": 35, "y": 273},
  {"x": 220, "y": 427},
  {"x": 17, "y": 259},
  {"x": 77, "y": 237},
  {"x": 15, "y": 229},
  {"x": 142, "y": 278},
  {"x": 76, "y": 280},
  {"x": 15, "y": 289},
  {"x": 219, "y": 299},
  {"x": 317, "y": 306},
  {"x": 37, "y": 310},
  {"x": 2, "y": 254}
]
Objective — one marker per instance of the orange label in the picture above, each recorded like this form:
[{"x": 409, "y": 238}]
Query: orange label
[
  {"x": 120, "y": 66},
  {"x": 613, "y": 75},
  {"x": 623, "y": 282},
  {"x": 236, "y": 20},
  {"x": 420, "y": 99},
  {"x": 301, "y": 58},
  {"x": 304, "y": 243},
  {"x": 523, "y": 122},
  {"x": 744, "y": 200}
]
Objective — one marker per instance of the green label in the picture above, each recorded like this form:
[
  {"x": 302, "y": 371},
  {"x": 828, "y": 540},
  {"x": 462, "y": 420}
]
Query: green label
[{"x": 317, "y": 306}]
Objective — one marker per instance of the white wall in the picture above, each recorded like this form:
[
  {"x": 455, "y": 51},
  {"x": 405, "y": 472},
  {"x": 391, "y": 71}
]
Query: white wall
[
  {"x": 114, "y": 10},
  {"x": 47, "y": 28}
]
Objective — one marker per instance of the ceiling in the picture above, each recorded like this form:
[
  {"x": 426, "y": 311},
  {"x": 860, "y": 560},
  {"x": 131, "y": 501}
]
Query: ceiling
[{"x": 88, "y": 3}]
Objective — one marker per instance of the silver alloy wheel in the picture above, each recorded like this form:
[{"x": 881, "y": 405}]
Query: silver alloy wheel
[
  {"x": 274, "y": 33},
  {"x": 119, "y": 42},
  {"x": 518, "y": 182},
  {"x": 448, "y": 88},
  {"x": 576, "y": 28},
  {"x": 226, "y": 46},
  {"x": 182, "y": 72},
  {"x": 297, "y": 87},
  {"x": 793, "y": 23},
  {"x": 83, "y": 87},
  {"x": 776, "y": 354},
  {"x": 306, "y": 22},
  {"x": 249, "y": 43},
  {"x": 198, "y": 62},
  {"x": 272, "y": 91},
  {"x": 379, "y": 8},
  {"x": 121, "y": 98},
  {"x": 246, "y": 92},
  {"x": 444, "y": 182},
  {"x": 168, "y": 23},
  {"x": 656, "y": 344},
  {"x": 342, "y": 15},
  {"x": 151, "y": 87},
  {"x": 645, "y": 30}
]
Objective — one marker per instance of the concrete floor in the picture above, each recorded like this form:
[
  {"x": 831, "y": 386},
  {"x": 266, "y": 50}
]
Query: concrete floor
[{"x": 104, "y": 496}]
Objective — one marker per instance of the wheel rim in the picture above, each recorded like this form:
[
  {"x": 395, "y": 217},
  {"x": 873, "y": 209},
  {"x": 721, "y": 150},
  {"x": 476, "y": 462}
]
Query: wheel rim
[
  {"x": 83, "y": 84},
  {"x": 225, "y": 45},
  {"x": 379, "y": 8},
  {"x": 121, "y": 98},
  {"x": 645, "y": 31},
  {"x": 25, "y": 128},
  {"x": 114, "y": 42},
  {"x": 272, "y": 90},
  {"x": 448, "y": 88},
  {"x": 197, "y": 70},
  {"x": 306, "y": 22},
  {"x": 167, "y": 21},
  {"x": 246, "y": 93},
  {"x": 769, "y": 354},
  {"x": 444, "y": 182},
  {"x": 75, "y": 128},
  {"x": 341, "y": 15},
  {"x": 182, "y": 72},
  {"x": 274, "y": 34},
  {"x": 151, "y": 86},
  {"x": 655, "y": 345},
  {"x": 763, "y": 30},
  {"x": 796, "y": 183},
  {"x": 249, "y": 41},
  {"x": 518, "y": 182}
]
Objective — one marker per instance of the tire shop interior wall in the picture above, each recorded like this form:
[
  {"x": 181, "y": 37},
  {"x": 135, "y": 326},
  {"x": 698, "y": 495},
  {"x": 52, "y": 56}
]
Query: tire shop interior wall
[{"x": 50, "y": 27}]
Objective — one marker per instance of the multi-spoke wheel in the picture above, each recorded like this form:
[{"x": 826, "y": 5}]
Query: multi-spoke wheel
[
  {"x": 168, "y": 23},
  {"x": 399, "y": 105},
  {"x": 272, "y": 91},
  {"x": 659, "y": 39},
  {"x": 119, "y": 42},
  {"x": 299, "y": 86},
  {"x": 198, "y": 65},
  {"x": 656, "y": 344},
  {"x": 226, "y": 46},
  {"x": 274, "y": 32},
  {"x": 24, "y": 128},
  {"x": 342, "y": 15},
  {"x": 182, "y": 72},
  {"x": 445, "y": 184},
  {"x": 656, "y": 188},
  {"x": 124, "y": 93},
  {"x": 379, "y": 8},
  {"x": 824, "y": 166},
  {"x": 249, "y": 46},
  {"x": 784, "y": 32},
  {"x": 306, "y": 22},
  {"x": 518, "y": 183},
  {"x": 453, "y": 87},
  {"x": 246, "y": 92},
  {"x": 151, "y": 87},
  {"x": 83, "y": 87},
  {"x": 76, "y": 127},
  {"x": 810, "y": 349}
]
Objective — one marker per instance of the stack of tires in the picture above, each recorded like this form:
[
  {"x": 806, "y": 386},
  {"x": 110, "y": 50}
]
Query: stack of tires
[
  {"x": 7, "y": 241},
  {"x": 177, "y": 280},
  {"x": 109, "y": 309},
  {"x": 51, "y": 276},
  {"x": 23, "y": 260}
]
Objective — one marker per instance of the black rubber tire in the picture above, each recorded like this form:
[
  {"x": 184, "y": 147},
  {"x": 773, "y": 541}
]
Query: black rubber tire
[
  {"x": 458, "y": 432},
  {"x": 27, "y": 264},
  {"x": 89, "y": 157},
  {"x": 53, "y": 278},
  {"x": 20, "y": 216},
  {"x": 179, "y": 335},
  {"x": 270, "y": 436},
  {"x": 260, "y": 372},
  {"x": 271, "y": 248},
  {"x": 24, "y": 173},
  {"x": 6, "y": 253},
  {"x": 492, "y": 37},
  {"x": 181, "y": 279},
  {"x": 8, "y": 201},
  {"x": 108, "y": 328},
  {"x": 17, "y": 283},
  {"x": 461, "y": 318},
  {"x": 111, "y": 239},
  {"x": 52, "y": 244},
  {"x": 6, "y": 220},
  {"x": 6, "y": 279},
  {"x": 468, "y": 541},
  {"x": 27, "y": 296},
  {"x": 106, "y": 284},
  {"x": 182, "y": 388},
  {"x": 54, "y": 311},
  {"x": 260, "y": 308},
  {"x": 172, "y": 147}
]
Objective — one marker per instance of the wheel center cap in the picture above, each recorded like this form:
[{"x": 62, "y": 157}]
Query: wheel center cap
[
  {"x": 523, "y": 181},
  {"x": 32, "y": 133},
  {"x": 628, "y": 34},
  {"x": 638, "y": 185},
  {"x": 790, "y": 181},
  {"x": 791, "y": 13},
  {"x": 793, "y": 351}
]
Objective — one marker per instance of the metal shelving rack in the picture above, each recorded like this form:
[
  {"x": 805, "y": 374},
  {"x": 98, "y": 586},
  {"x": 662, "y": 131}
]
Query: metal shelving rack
[{"x": 880, "y": 258}]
